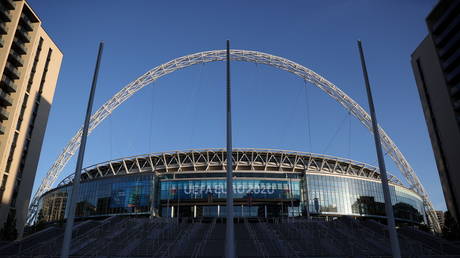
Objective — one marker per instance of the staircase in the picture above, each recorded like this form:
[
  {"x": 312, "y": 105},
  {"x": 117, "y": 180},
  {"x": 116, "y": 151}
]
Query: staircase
[{"x": 120, "y": 236}]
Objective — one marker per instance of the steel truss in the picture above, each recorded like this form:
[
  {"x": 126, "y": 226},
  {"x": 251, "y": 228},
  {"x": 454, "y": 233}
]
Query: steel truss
[
  {"x": 212, "y": 160},
  {"x": 237, "y": 55}
]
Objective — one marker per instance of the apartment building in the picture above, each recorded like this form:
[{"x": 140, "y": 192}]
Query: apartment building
[
  {"x": 30, "y": 63},
  {"x": 436, "y": 66}
]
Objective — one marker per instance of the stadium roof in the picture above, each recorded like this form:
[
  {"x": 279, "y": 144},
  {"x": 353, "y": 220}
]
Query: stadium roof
[{"x": 245, "y": 160}]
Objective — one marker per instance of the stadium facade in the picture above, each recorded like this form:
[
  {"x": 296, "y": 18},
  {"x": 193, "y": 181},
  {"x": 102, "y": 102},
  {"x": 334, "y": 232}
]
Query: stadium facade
[{"x": 267, "y": 183}]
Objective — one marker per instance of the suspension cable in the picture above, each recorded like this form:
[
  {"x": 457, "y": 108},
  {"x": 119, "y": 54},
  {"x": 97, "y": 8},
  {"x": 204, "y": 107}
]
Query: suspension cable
[
  {"x": 152, "y": 96},
  {"x": 307, "y": 114},
  {"x": 111, "y": 137},
  {"x": 195, "y": 90},
  {"x": 349, "y": 135},
  {"x": 288, "y": 118},
  {"x": 335, "y": 134}
]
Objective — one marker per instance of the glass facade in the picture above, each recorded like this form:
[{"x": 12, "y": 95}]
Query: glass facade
[
  {"x": 360, "y": 197},
  {"x": 242, "y": 189},
  {"x": 253, "y": 197},
  {"x": 111, "y": 195}
]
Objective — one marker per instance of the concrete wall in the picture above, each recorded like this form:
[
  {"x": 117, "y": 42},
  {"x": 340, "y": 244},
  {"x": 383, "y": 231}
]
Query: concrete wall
[{"x": 440, "y": 118}]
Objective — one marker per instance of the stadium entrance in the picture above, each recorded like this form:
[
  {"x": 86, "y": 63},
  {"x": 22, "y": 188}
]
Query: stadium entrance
[
  {"x": 241, "y": 210},
  {"x": 252, "y": 198}
]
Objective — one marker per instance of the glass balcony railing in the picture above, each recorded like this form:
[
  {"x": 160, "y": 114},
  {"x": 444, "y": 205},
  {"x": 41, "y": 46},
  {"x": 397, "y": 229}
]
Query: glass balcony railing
[
  {"x": 12, "y": 71},
  {"x": 4, "y": 114},
  {"x": 8, "y": 85},
  {"x": 5, "y": 99},
  {"x": 20, "y": 47},
  {"x": 16, "y": 58}
]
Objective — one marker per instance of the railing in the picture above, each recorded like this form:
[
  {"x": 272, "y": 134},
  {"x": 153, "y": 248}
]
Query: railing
[
  {"x": 199, "y": 248},
  {"x": 172, "y": 236},
  {"x": 152, "y": 236},
  {"x": 260, "y": 247},
  {"x": 3, "y": 29},
  {"x": 20, "y": 46},
  {"x": 5, "y": 98},
  {"x": 9, "y": 3},
  {"x": 159, "y": 237},
  {"x": 101, "y": 234},
  {"x": 24, "y": 34},
  {"x": 304, "y": 236},
  {"x": 16, "y": 58},
  {"x": 52, "y": 245},
  {"x": 13, "y": 70},
  {"x": 427, "y": 241},
  {"x": 4, "y": 114},
  {"x": 275, "y": 240},
  {"x": 26, "y": 22},
  {"x": 184, "y": 239},
  {"x": 9, "y": 84},
  {"x": 122, "y": 240},
  {"x": 5, "y": 12}
]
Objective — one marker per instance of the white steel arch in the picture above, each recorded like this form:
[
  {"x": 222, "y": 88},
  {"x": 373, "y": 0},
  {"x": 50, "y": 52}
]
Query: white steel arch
[{"x": 237, "y": 55}]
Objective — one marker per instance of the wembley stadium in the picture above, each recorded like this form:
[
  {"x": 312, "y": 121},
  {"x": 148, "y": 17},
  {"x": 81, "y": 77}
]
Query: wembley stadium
[{"x": 267, "y": 184}]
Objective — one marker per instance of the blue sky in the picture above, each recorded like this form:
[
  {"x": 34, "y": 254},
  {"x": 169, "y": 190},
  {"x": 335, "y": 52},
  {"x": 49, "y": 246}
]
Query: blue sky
[{"x": 185, "y": 109}]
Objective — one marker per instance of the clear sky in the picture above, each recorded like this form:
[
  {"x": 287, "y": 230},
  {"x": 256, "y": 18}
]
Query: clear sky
[{"x": 185, "y": 110}]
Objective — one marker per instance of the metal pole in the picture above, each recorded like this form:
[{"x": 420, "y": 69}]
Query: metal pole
[
  {"x": 178, "y": 203},
  {"x": 230, "y": 234},
  {"x": 168, "y": 211},
  {"x": 291, "y": 197},
  {"x": 306, "y": 199},
  {"x": 154, "y": 196},
  {"x": 81, "y": 153},
  {"x": 383, "y": 174}
]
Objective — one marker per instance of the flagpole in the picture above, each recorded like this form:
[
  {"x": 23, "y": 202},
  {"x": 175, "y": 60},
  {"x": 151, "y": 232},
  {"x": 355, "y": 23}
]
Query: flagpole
[
  {"x": 230, "y": 234},
  {"x": 81, "y": 153},
  {"x": 383, "y": 173}
]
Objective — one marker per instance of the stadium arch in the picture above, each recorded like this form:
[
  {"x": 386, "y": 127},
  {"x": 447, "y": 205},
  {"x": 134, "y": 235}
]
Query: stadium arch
[{"x": 236, "y": 55}]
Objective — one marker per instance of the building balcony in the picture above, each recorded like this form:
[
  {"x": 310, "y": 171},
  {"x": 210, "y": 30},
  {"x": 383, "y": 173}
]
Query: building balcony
[
  {"x": 16, "y": 58},
  {"x": 2, "y": 42},
  {"x": 5, "y": 14},
  {"x": 19, "y": 47},
  {"x": 27, "y": 24},
  {"x": 4, "y": 114},
  {"x": 8, "y": 4},
  {"x": 12, "y": 71},
  {"x": 2, "y": 131},
  {"x": 5, "y": 99},
  {"x": 23, "y": 34},
  {"x": 3, "y": 29},
  {"x": 8, "y": 85}
]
